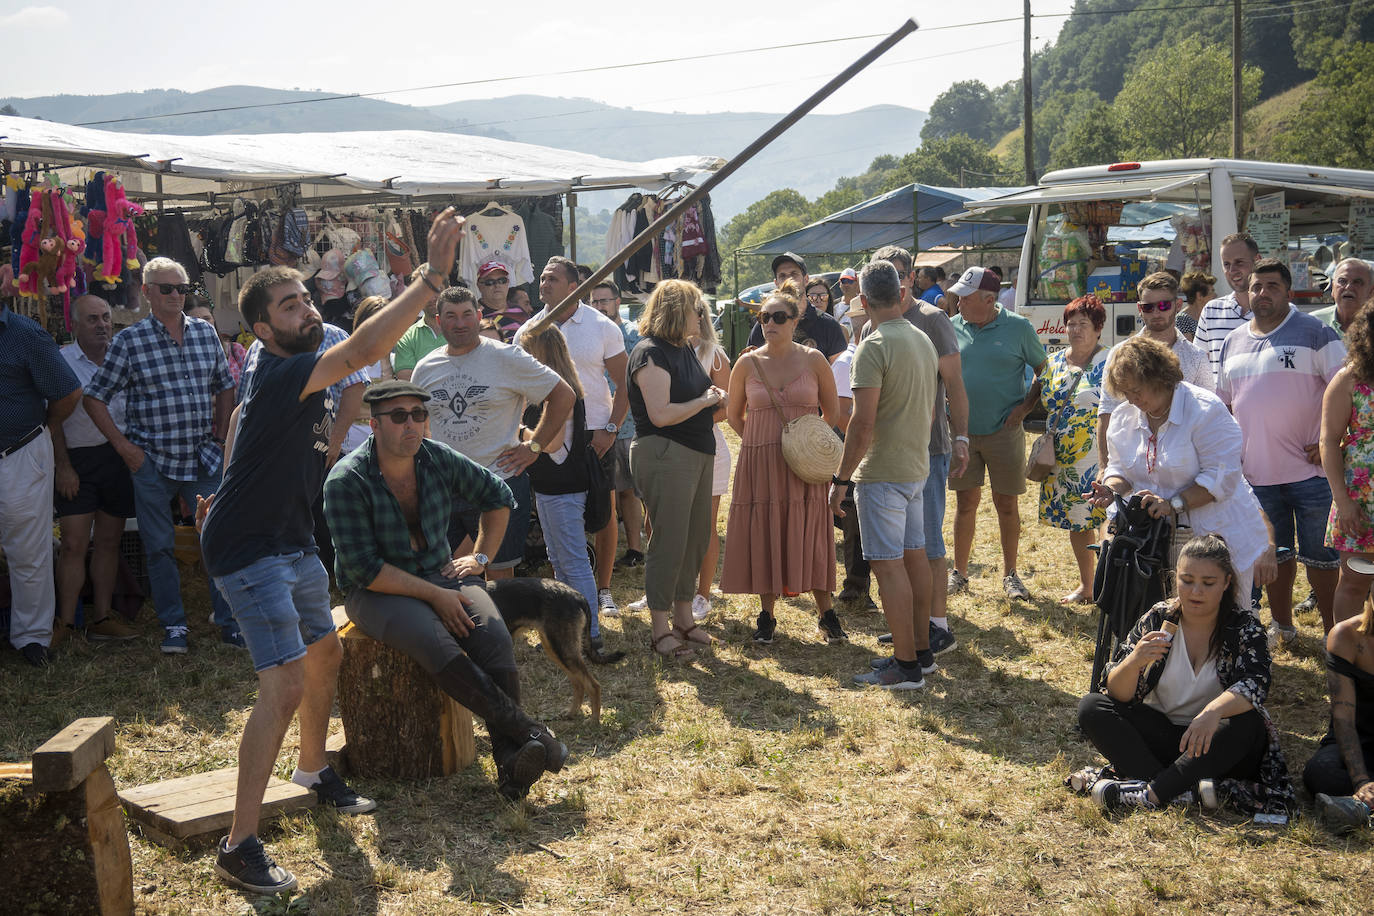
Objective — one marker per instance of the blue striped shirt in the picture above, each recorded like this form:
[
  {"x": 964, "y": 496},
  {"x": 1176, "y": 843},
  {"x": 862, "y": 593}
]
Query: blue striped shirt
[{"x": 171, "y": 388}]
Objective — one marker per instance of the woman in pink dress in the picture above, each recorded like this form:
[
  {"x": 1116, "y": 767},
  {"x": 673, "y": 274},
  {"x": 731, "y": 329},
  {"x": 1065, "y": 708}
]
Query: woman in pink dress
[{"x": 779, "y": 538}]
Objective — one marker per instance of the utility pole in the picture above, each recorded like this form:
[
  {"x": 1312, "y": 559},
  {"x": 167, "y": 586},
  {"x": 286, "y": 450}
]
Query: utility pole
[
  {"x": 1028, "y": 133},
  {"x": 1237, "y": 140}
]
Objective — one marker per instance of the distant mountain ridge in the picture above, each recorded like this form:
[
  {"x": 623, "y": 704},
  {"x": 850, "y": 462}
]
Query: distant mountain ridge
[{"x": 810, "y": 157}]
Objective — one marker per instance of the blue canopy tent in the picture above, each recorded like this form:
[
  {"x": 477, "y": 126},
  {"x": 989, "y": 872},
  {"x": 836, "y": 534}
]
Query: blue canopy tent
[{"x": 912, "y": 216}]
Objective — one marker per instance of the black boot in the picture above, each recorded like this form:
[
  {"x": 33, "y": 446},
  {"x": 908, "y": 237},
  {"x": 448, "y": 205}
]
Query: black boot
[{"x": 524, "y": 750}]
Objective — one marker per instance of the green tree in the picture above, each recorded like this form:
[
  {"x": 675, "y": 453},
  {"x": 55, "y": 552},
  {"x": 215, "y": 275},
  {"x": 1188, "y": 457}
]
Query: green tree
[
  {"x": 964, "y": 108},
  {"x": 1176, "y": 103},
  {"x": 782, "y": 201},
  {"x": 1091, "y": 137},
  {"x": 949, "y": 162},
  {"x": 1336, "y": 126}
]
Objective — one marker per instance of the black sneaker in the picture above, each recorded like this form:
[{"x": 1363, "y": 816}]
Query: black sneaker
[
  {"x": 764, "y": 628},
  {"x": 250, "y": 868},
  {"x": 334, "y": 792},
  {"x": 631, "y": 559},
  {"x": 928, "y": 665},
  {"x": 36, "y": 654},
  {"x": 829, "y": 624},
  {"x": 1123, "y": 794},
  {"x": 942, "y": 640}
]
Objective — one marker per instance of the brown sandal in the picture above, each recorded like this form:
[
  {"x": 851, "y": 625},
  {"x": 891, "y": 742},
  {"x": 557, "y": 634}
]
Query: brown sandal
[
  {"x": 685, "y": 636},
  {"x": 675, "y": 653}
]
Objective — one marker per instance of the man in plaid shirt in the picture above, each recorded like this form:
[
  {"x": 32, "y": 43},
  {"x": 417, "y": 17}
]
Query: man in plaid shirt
[{"x": 178, "y": 394}]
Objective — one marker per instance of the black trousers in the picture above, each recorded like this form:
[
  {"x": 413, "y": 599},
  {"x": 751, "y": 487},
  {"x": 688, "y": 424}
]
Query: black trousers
[
  {"x": 1326, "y": 771},
  {"x": 856, "y": 568},
  {"x": 1141, "y": 743}
]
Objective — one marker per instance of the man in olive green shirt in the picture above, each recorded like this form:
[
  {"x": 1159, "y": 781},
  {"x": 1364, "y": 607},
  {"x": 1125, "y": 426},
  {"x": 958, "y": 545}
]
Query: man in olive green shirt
[{"x": 886, "y": 449}]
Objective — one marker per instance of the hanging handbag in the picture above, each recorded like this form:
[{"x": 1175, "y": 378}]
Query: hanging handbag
[
  {"x": 1041, "y": 462},
  {"x": 809, "y": 446}
]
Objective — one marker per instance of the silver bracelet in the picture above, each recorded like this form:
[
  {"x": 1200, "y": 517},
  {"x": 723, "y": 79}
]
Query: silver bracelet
[{"x": 963, "y": 439}]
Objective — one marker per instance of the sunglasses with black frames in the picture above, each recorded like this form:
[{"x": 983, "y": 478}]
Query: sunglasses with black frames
[
  {"x": 400, "y": 415},
  {"x": 778, "y": 317}
]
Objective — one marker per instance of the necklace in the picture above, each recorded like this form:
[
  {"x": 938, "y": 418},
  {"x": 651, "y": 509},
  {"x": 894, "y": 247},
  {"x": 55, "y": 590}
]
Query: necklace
[{"x": 1159, "y": 416}]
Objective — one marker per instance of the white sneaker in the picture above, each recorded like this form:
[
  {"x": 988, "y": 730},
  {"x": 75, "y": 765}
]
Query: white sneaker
[
  {"x": 701, "y": 608},
  {"x": 1280, "y": 635},
  {"x": 641, "y": 605},
  {"x": 607, "y": 603}
]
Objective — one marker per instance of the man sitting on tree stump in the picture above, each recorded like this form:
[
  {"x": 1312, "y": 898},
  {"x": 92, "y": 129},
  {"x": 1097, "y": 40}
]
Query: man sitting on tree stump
[{"x": 389, "y": 504}]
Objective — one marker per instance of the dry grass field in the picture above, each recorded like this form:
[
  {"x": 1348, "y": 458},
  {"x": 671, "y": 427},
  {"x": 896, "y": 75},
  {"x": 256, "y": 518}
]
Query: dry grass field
[{"x": 754, "y": 780}]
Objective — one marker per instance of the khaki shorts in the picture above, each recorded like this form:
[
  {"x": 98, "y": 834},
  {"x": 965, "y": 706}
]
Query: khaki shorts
[{"x": 1003, "y": 455}]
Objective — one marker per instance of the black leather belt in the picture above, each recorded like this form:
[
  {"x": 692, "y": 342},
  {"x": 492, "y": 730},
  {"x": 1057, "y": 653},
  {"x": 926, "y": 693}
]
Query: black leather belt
[{"x": 27, "y": 438}]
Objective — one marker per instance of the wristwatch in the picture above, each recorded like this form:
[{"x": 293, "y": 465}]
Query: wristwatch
[
  {"x": 612, "y": 427},
  {"x": 535, "y": 447},
  {"x": 481, "y": 559},
  {"x": 1178, "y": 504}
]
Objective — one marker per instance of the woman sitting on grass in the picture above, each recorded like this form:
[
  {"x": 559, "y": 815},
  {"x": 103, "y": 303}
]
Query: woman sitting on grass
[
  {"x": 1338, "y": 774},
  {"x": 1181, "y": 705}
]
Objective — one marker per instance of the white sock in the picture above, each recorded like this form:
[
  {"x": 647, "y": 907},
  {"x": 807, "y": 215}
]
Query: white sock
[
  {"x": 305, "y": 778},
  {"x": 941, "y": 622}
]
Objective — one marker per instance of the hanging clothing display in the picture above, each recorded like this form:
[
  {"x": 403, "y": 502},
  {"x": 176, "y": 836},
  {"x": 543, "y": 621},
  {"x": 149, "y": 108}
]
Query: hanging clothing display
[
  {"x": 686, "y": 249},
  {"x": 495, "y": 233}
]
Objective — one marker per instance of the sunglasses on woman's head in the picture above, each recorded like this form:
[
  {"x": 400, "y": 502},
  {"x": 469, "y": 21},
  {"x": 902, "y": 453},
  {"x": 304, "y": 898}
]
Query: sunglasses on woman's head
[
  {"x": 779, "y": 317},
  {"x": 400, "y": 415},
  {"x": 1148, "y": 307}
]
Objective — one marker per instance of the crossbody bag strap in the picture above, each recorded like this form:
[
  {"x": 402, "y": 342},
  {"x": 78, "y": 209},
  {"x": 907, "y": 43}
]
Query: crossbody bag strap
[
  {"x": 758, "y": 369},
  {"x": 1067, "y": 392}
]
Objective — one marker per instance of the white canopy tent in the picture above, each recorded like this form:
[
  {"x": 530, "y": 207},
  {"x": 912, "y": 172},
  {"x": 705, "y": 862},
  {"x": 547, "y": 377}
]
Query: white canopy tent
[{"x": 333, "y": 168}]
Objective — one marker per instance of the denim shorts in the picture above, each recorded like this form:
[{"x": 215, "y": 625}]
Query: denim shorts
[
  {"x": 891, "y": 520},
  {"x": 1301, "y": 509},
  {"x": 933, "y": 506},
  {"x": 281, "y": 605}
]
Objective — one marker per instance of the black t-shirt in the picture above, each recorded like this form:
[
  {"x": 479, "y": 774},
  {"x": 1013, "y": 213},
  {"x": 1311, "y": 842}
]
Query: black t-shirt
[
  {"x": 262, "y": 508},
  {"x": 688, "y": 381},
  {"x": 816, "y": 329}
]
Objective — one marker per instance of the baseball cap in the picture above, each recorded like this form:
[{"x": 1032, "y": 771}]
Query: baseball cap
[
  {"x": 394, "y": 388},
  {"x": 789, "y": 256},
  {"x": 974, "y": 279},
  {"x": 848, "y": 274},
  {"x": 491, "y": 267}
]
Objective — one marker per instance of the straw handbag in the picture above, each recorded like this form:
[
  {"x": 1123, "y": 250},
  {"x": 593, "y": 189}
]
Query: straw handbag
[{"x": 809, "y": 446}]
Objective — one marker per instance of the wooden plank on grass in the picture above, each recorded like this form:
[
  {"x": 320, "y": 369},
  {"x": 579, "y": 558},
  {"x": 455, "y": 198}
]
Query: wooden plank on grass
[
  {"x": 67, "y": 758},
  {"x": 194, "y": 805},
  {"x": 16, "y": 770}
]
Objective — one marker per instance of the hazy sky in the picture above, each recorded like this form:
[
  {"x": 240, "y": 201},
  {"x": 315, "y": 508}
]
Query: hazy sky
[{"x": 348, "y": 46}]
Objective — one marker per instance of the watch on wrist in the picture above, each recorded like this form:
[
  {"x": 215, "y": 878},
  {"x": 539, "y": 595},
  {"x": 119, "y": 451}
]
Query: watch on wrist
[
  {"x": 1178, "y": 504},
  {"x": 535, "y": 447},
  {"x": 482, "y": 560},
  {"x": 612, "y": 427}
]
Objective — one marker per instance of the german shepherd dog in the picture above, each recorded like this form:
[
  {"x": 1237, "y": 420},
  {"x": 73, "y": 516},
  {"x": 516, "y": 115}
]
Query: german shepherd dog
[{"x": 560, "y": 614}]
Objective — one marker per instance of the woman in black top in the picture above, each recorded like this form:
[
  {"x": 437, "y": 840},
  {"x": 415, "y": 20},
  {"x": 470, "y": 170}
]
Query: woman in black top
[
  {"x": 673, "y": 402},
  {"x": 1338, "y": 774}
]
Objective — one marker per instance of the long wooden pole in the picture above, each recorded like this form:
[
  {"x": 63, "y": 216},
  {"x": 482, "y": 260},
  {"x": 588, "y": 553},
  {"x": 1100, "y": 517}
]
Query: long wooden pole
[
  {"x": 1027, "y": 115},
  {"x": 725, "y": 171},
  {"x": 1237, "y": 122}
]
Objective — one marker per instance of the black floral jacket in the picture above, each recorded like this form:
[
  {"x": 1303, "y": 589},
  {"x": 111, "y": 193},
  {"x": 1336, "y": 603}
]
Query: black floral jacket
[{"x": 1242, "y": 667}]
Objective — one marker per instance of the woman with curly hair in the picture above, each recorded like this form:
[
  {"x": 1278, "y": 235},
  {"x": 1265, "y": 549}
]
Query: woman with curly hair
[
  {"x": 1181, "y": 707},
  {"x": 1197, "y": 288},
  {"x": 1071, "y": 390},
  {"x": 1347, "y": 449}
]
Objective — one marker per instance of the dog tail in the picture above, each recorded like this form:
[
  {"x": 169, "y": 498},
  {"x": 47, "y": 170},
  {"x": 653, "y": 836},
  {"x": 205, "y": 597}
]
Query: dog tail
[{"x": 593, "y": 653}]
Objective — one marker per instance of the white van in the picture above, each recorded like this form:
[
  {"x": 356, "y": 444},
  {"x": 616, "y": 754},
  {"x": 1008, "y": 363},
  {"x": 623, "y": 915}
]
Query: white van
[{"x": 1100, "y": 229}]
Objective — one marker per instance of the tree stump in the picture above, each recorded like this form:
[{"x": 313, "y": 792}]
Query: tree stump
[
  {"x": 397, "y": 722},
  {"x": 63, "y": 844}
]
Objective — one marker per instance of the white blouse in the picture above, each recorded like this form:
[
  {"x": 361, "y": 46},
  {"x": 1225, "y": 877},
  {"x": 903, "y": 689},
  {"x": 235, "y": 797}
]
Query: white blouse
[
  {"x": 1198, "y": 443},
  {"x": 1181, "y": 693}
]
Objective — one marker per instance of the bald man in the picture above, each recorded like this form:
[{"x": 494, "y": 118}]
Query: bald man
[{"x": 94, "y": 490}]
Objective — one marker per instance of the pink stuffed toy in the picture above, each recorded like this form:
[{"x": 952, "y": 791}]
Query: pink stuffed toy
[
  {"x": 50, "y": 248},
  {"x": 121, "y": 239},
  {"x": 28, "y": 251}
]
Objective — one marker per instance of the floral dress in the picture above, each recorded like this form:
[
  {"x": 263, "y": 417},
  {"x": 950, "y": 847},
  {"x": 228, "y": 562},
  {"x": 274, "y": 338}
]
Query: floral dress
[
  {"x": 1063, "y": 495},
  {"x": 1358, "y": 448}
]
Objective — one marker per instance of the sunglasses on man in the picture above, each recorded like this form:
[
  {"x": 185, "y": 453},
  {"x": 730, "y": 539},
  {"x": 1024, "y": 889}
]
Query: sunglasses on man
[
  {"x": 1148, "y": 307},
  {"x": 168, "y": 288},
  {"x": 400, "y": 415}
]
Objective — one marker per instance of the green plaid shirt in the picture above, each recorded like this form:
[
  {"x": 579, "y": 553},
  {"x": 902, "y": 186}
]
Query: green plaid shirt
[{"x": 365, "y": 519}]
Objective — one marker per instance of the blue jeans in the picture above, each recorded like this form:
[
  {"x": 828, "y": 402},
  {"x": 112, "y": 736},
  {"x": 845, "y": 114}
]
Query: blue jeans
[
  {"x": 512, "y": 550},
  {"x": 1299, "y": 510},
  {"x": 281, "y": 604},
  {"x": 560, "y": 515},
  {"x": 891, "y": 520},
  {"x": 933, "y": 505},
  {"x": 152, "y": 507}
]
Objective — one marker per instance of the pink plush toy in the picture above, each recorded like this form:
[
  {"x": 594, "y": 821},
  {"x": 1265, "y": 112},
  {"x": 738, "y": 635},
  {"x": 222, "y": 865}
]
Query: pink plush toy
[
  {"x": 121, "y": 239},
  {"x": 28, "y": 252}
]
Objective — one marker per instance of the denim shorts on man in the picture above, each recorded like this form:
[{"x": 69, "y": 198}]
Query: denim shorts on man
[
  {"x": 1300, "y": 510},
  {"x": 281, "y": 604},
  {"x": 891, "y": 520}
]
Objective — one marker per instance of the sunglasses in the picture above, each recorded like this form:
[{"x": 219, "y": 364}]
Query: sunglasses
[
  {"x": 168, "y": 288},
  {"x": 779, "y": 317},
  {"x": 817, "y": 297},
  {"x": 1148, "y": 307},
  {"x": 499, "y": 281},
  {"x": 400, "y": 415}
]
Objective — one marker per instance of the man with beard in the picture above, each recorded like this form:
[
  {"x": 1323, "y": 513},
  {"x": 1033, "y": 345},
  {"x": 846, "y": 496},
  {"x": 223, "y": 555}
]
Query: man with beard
[{"x": 258, "y": 543}]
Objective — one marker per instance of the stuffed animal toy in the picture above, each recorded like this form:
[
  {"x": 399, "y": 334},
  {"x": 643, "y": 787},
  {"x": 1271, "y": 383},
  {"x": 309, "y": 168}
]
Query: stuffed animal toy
[
  {"x": 94, "y": 211},
  {"x": 18, "y": 225},
  {"x": 29, "y": 250},
  {"x": 121, "y": 238},
  {"x": 44, "y": 247}
]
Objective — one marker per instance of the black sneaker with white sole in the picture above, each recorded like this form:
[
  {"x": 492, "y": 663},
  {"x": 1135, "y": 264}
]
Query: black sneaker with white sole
[
  {"x": 334, "y": 792},
  {"x": 829, "y": 624},
  {"x": 942, "y": 640},
  {"x": 248, "y": 867},
  {"x": 765, "y": 628}
]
